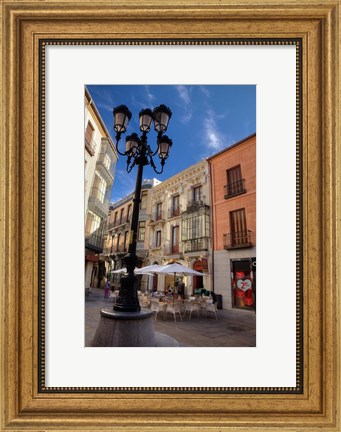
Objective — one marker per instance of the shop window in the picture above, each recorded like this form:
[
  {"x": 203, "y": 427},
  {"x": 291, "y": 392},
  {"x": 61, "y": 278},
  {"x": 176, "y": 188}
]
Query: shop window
[{"x": 243, "y": 275}]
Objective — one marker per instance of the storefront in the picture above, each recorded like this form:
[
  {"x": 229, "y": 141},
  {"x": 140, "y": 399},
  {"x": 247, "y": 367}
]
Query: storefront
[{"x": 243, "y": 283}]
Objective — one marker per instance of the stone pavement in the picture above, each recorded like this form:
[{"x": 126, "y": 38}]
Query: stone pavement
[{"x": 233, "y": 328}]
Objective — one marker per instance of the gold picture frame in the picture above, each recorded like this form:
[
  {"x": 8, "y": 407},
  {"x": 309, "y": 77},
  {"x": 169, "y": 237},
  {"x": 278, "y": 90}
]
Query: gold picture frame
[{"x": 24, "y": 25}]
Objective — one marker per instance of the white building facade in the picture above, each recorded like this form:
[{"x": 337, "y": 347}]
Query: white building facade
[{"x": 100, "y": 159}]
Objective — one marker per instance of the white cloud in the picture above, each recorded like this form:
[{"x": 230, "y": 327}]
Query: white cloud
[
  {"x": 205, "y": 91},
  {"x": 149, "y": 94},
  {"x": 214, "y": 138},
  {"x": 184, "y": 94},
  {"x": 105, "y": 106}
]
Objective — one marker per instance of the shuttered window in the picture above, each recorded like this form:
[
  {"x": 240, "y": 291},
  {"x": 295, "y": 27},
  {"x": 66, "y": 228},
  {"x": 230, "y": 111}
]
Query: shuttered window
[
  {"x": 235, "y": 183},
  {"x": 239, "y": 234}
]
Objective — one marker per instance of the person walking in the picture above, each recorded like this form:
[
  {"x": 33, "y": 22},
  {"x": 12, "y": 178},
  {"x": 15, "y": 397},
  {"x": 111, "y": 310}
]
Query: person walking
[{"x": 107, "y": 290}]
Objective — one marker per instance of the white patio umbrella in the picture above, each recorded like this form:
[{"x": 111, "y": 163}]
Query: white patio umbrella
[
  {"x": 150, "y": 269},
  {"x": 121, "y": 270},
  {"x": 138, "y": 271},
  {"x": 179, "y": 269}
]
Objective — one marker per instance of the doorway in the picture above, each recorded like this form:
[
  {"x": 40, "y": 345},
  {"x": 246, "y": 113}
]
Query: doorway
[{"x": 198, "y": 281}]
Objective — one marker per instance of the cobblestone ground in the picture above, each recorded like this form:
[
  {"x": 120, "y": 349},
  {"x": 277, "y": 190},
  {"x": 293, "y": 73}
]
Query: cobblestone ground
[{"x": 233, "y": 328}]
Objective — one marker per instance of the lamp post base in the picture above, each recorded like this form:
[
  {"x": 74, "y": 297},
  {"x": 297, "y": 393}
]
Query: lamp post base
[
  {"x": 125, "y": 329},
  {"x": 127, "y": 300}
]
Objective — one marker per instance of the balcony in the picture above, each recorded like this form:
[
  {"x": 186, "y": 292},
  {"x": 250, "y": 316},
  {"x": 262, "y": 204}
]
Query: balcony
[
  {"x": 122, "y": 221},
  {"x": 174, "y": 212},
  {"x": 237, "y": 240},
  {"x": 195, "y": 205},
  {"x": 195, "y": 245},
  {"x": 173, "y": 250},
  {"x": 234, "y": 188},
  {"x": 90, "y": 145},
  {"x": 156, "y": 217},
  {"x": 122, "y": 248},
  {"x": 98, "y": 204},
  {"x": 155, "y": 246},
  {"x": 105, "y": 168},
  {"x": 94, "y": 242},
  {"x": 112, "y": 225}
]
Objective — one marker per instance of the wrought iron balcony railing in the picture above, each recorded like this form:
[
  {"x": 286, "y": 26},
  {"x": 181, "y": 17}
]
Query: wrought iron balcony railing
[
  {"x": 157, "y": 216},
  {"x": 195, "y": 205},
  {"x": 234, "y": 188},
  {"x": 119, "y": 221},
  {"x": 174, "y": 212},
  {"x": 175, "y": 249},
  {"x": 240, "y": 239},
  {"x": 119, "y": 248}
]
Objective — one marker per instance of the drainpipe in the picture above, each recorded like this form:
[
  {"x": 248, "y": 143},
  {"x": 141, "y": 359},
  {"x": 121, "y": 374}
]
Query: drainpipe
[{"x": 212, "y": 224}]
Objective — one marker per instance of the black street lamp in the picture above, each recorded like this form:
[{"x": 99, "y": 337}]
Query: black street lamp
[{"x": 138, "y": 152}]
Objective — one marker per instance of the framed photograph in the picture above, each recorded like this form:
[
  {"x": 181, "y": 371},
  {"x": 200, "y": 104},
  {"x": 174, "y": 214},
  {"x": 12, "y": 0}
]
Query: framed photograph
[{"x": 62, "y": 61}]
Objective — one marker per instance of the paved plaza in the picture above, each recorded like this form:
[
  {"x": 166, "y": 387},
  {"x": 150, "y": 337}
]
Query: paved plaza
[{"x": 233, "y": 328}]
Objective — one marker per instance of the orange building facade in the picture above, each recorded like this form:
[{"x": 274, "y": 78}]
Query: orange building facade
[{"x": 233, "y": 198}]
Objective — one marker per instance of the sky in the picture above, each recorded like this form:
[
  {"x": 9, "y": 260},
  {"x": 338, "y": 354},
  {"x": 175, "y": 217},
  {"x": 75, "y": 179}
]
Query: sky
[{"x": 205, "y": 120}]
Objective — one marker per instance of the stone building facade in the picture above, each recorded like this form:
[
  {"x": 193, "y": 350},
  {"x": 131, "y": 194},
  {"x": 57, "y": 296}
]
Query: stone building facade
[
  {"x": 118, "y": 230},
  {"x": 179, "y": 228}
]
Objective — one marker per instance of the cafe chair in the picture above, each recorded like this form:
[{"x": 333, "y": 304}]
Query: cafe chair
[
  {"x": 144, "y": 301},
  {"x": 212, "y": 308},
  {"x": 156, "y": 307},
  {"x": 190, "y": 307},
  {"x": 174, "y": 309}
]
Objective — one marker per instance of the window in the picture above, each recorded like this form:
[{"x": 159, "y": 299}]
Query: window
[
  {"x": 118, "y": 241},
  {"x": 195, "y": 230},
  {"x": 235, "y": 183},
  {"x": 175, "y": 239},
  {"x": 158, "y": 238},
  {"x": 175, "y": 210},
  {"x": 93, "y": 223},
  {"x": 239, "y": 233},
  {"x": 142, "y": 231},
  {"x": 129, "y": 213},
  {"x": 143, "y": 201},
  {"x": 115, "y": 219},
  {"x": 90, "y": 144},
  {"x": 99, "y": 187},
  {"x": 107, "y": 162},
  {"x": 197, "y": 194},
  {"x": 126, "y": 240},
  {"x": 158, "y": 211},
  {"x": 121, "y": 215}
]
